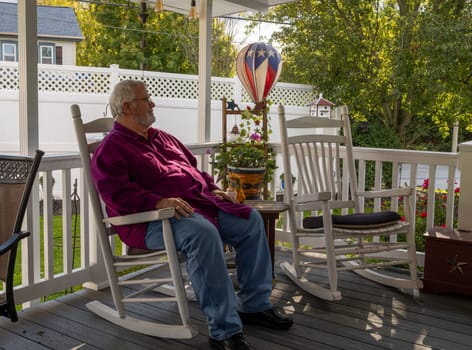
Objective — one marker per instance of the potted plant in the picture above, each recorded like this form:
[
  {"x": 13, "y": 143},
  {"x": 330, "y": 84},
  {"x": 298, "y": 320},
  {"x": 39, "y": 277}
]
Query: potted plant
[{"x": 248, "y": 154}]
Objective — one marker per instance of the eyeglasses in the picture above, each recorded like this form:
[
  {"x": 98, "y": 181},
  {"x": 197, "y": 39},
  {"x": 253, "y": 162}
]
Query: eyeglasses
[{"x": 145, "y": 99}]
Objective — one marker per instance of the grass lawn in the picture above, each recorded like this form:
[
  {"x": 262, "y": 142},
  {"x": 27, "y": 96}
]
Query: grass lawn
[{"x": 57, "y": 250}]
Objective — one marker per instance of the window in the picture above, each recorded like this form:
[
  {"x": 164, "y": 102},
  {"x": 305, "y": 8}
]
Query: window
[
  {"x": 46, "y": 54},
  {"x": 9, "y": 52}
]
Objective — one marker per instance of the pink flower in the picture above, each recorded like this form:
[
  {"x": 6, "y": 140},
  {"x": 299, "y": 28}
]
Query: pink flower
[{"x": 255, "y": 137}]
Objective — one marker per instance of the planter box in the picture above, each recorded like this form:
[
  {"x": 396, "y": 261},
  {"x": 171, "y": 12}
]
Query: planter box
[{"x": 448, "y": 261}]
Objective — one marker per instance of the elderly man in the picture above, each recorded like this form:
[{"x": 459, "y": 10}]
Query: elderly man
[{"x": 139, "y": 168}]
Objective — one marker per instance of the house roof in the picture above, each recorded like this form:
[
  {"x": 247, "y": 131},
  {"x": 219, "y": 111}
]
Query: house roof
[
  {"x": 53, "y": 22},
  {"x": 321, "y": 102}
]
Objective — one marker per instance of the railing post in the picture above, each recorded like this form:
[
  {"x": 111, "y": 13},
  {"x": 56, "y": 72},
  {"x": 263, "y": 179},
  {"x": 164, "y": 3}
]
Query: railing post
[
  {"x": 114, "y": 75},
  {"x": 238, "y": 91},
  {"x": 464, "y": 220},
  {"x": 455, "y": 136}
]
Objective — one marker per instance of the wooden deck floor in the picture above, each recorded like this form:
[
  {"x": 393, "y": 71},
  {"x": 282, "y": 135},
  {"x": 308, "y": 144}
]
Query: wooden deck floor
[{"x": 369, "y": 316}]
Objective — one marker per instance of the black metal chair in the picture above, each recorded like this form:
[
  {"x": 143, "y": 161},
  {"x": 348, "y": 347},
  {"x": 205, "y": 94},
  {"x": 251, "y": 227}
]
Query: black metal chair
[{"x": 17, "y": 175}]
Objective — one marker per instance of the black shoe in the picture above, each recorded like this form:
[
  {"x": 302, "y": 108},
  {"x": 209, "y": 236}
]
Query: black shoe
[
  {"x": 269, "y": 318},
  {"x": 236, "y": 342}
]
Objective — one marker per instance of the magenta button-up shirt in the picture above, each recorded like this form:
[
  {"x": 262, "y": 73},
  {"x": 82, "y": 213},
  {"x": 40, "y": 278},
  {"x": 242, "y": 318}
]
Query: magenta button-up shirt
[{"x": 132, "y": 173}]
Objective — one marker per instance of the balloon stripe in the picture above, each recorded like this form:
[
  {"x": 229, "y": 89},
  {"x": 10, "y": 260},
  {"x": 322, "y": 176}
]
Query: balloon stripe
[
  {"x": 258, "y": 66},
  {"x": 261, "y": 75}
]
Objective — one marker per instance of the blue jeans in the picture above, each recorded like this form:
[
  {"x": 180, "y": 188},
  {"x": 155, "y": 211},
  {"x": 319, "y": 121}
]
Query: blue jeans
[{"x": 202, "y": 243}]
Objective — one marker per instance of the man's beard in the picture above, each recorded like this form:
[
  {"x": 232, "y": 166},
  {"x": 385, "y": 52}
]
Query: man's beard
[{"x": 145, "y": 120}]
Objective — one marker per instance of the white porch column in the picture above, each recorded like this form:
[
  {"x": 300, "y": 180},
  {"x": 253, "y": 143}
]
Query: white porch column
[
  {"x": 28, "y": 76},
  {"x": 28, "y": 127},
  {"x": 465, "y": 199},
  {"x": 204, "y": 71}
]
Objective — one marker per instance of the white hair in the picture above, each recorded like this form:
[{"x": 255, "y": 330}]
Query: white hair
[{"x": 124, "y": 91}]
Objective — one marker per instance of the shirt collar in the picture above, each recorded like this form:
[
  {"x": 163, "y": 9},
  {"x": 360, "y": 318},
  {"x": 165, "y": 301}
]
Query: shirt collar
[{"x": 152, "y": 132}]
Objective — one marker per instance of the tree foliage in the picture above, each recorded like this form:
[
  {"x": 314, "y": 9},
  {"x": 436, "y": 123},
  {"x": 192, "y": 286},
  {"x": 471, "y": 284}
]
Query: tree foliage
[
  {"x": 402, "y": 64},
  {"x": 168, "y": 42}
]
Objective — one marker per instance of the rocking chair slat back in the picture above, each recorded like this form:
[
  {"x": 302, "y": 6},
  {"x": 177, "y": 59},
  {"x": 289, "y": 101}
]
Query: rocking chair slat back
[{"x": 324, "y": 208}]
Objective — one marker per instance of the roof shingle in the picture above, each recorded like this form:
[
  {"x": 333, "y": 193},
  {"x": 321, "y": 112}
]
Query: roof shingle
[{"x": 53, "y": 21}]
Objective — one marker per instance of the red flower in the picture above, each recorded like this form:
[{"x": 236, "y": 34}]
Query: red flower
[
  {"x": 425, "y": 184},
  {"x": 457, "y": 190},
  {"x": 423, "y": 214}
]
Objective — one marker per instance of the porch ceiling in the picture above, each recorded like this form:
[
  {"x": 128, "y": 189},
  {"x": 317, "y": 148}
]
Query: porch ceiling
[{"x": 222, "y": 7}]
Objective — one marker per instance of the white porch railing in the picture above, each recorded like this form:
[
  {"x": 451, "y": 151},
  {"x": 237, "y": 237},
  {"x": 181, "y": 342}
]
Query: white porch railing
[{"x": 38, "y": 253}]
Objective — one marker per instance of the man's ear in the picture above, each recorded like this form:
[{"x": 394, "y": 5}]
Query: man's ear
[{"x": 126, "y": 107}]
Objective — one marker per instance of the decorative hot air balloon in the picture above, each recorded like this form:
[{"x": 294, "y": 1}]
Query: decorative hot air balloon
[{"x": 258, "y": 67}]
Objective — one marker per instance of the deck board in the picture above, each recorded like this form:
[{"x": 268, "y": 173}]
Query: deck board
[{"x": 369, "y": 316}]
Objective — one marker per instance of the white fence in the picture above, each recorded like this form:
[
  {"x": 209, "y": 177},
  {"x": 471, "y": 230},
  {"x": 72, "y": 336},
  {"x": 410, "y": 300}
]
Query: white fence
[{"x": 175, "y": 96}]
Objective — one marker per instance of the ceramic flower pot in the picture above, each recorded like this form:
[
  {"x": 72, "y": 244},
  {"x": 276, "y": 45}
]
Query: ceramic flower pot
[{"x": 246, "y": 182}]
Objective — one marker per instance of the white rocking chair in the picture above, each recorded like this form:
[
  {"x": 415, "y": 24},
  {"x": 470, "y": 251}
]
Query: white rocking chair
[
  {"x": 168, "y": 258},
  {"x": 369, "y": 244}
]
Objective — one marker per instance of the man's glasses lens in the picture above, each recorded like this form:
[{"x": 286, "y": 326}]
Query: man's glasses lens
[{"x": 145, "y": 99}]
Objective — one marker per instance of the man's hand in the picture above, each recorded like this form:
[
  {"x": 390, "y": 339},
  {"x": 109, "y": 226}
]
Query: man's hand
[
  {"x": 182, "y": 208},
  {"x": 227, "y": 196}
]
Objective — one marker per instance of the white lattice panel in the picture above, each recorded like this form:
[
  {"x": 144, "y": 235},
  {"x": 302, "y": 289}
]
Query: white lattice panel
[
  {"x": 292, "y": 95},
  {"x": 167, "y": 87},
  {"x": 220, "y": 89},
  {"x": 91, "y": 81},
  {"x": 9, "y": 78},
  {"x": 72, "y": 79}
]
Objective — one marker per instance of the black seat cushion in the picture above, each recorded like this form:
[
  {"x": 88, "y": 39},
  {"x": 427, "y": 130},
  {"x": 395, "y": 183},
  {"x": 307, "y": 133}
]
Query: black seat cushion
[{"x": 355, "y": 221}]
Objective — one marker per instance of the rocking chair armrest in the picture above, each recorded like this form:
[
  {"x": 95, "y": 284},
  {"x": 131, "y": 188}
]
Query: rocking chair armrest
[
  {"x": 137, "y": 218},
  {"x": 395, "y": 192},
  {"x": 313, "y": 197},
  {"x": 15, "y": 238}
]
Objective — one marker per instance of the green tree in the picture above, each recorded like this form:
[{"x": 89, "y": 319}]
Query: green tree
[
  {"x": 373, "y": 56},
  {"x": 114, "y": 33},
  {"x": 445, "y": 51}
]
